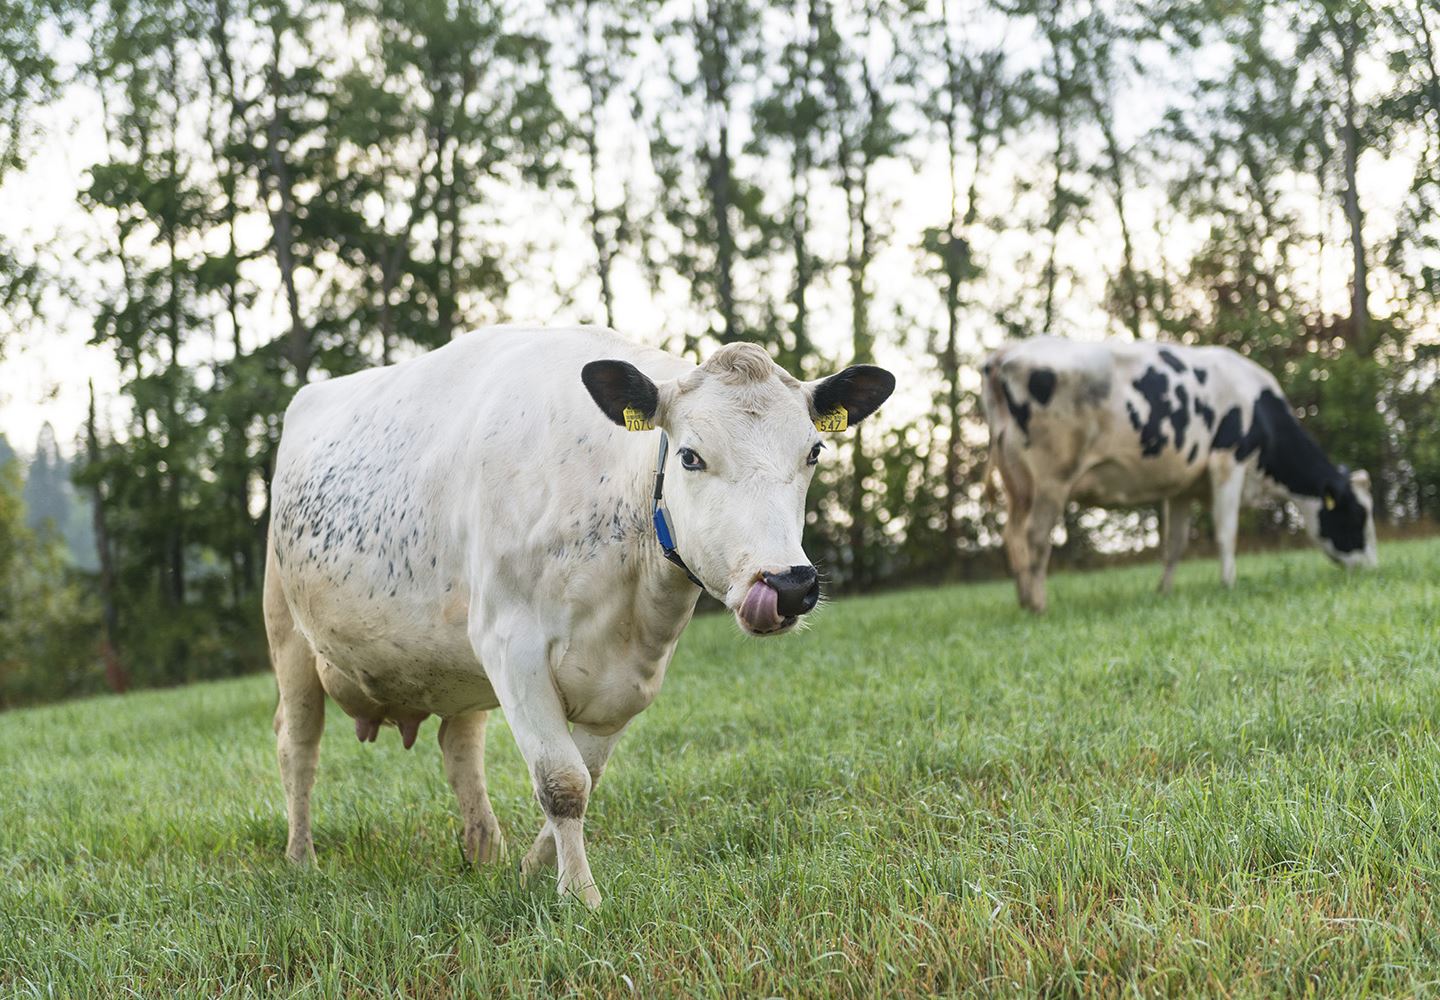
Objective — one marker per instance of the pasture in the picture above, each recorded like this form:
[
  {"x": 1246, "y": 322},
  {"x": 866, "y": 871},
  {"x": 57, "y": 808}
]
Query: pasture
[{"x": 930, "y": 792}]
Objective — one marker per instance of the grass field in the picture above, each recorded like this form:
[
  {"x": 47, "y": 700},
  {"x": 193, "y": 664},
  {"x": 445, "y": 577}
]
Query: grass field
[{"x": 928, "y": 793}]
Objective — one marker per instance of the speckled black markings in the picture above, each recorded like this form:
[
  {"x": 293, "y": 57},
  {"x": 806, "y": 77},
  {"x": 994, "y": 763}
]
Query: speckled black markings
[{"x": 355, "y": 499}]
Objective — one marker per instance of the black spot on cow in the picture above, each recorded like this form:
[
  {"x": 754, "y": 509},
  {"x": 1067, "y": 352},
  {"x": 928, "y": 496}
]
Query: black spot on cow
[
  {"x": 1019, "y": 411},
  {"x": 1201, "y": 375},
  {"x": 1154, "y": 387},
  {"x": 1180, "y": 416},
  {"x": 1205, "y": 412},
  {"x": 1134, "y": 414},
  {"x": 1042, "y": 385},
  {"x": 1170, "y": 358},
  {"x": 1194, "y": 450}
]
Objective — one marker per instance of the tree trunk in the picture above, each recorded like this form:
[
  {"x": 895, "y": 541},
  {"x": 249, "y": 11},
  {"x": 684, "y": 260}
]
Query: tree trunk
[
  {"x": 282, "y": 222},
  {"x": 1350, "y": 138},
  {"x": 116, "y": 676},
  {"x": 717, "y": 100}
]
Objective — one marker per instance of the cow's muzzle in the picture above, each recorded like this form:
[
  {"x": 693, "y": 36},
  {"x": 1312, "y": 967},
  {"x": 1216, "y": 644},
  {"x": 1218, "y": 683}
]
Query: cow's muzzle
[{"x": 796, "y": 590}]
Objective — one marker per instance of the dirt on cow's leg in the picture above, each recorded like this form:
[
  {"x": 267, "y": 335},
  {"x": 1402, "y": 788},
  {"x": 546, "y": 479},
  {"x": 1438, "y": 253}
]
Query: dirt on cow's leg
[
  {"x": 299, "y": 718},
  {"x": 462, "y": 745},
  {"x": 595, "y": 751}
]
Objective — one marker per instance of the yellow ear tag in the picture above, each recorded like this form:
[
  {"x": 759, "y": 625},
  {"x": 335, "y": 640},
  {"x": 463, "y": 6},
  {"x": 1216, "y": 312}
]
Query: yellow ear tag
[
  {"x": 636, "y": 421},
  {"x": 836, "y": 420},
  {"x": 1329, "y": 503}
]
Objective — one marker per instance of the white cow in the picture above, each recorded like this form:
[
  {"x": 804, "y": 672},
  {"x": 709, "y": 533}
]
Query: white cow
[
  {"x": 470, "y": 529},
  {"x": 1125, "y": 423}
]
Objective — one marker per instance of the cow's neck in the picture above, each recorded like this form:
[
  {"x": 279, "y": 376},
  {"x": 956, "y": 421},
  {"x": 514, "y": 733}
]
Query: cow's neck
[
  {"x": 1287, "y": 455},
  {"x": 663, "y": 591}
]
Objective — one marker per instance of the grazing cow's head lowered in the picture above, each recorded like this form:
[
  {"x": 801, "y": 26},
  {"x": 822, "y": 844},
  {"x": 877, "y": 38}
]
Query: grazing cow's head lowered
[
  {"x": 743, "y": 445},
  {"x": 1343, "y": 520}
]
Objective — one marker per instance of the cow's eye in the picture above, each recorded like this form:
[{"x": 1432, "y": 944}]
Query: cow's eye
[
  {"x": 815, "y": 453},
  {"x": 689, "y": 459}
]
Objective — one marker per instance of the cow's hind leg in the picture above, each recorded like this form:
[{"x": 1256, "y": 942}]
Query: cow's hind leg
[
  {"x": 1048, "y": 505},
  {"x": 1174, "y": 534},
  {"x": 1015, "y": 479},
  {"x": 299, "y": 718},
  {"x": 462, "y": 744}
]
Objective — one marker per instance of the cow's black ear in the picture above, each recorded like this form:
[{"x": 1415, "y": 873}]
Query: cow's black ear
[
  {"x": 617, "y": 386},
  {"x": 860, "y": 389}
]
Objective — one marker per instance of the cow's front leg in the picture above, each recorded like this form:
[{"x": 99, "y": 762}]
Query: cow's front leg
[
  {"x": 532, "y": 707},
  {"x": 1228, "y": 490},
  {"x": 595, "y": 751},
  {"x": 462, "y": 744}
]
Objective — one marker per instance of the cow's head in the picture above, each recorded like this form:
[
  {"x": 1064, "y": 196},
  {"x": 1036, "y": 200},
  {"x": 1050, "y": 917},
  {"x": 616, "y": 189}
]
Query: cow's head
[
  {"x": 743, "y": 447},
  {"x": 1343, "y": 519}
]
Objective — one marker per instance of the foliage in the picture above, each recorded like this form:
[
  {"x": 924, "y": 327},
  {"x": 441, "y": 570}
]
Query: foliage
[{"x": 47, "y": 618}]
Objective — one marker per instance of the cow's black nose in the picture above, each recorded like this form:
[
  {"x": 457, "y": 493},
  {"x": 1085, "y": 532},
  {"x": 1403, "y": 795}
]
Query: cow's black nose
[{"x": 797, "y": 589}]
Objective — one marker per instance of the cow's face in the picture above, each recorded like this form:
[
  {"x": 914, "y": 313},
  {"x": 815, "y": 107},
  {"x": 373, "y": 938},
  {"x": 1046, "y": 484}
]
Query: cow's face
[
  {"x": 743, "y": 448},
  {"x": 1344, "y": 520}
]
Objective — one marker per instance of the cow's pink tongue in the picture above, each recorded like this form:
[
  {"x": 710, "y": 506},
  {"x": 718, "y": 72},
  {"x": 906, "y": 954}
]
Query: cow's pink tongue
[{"x": 758, "y": 610}]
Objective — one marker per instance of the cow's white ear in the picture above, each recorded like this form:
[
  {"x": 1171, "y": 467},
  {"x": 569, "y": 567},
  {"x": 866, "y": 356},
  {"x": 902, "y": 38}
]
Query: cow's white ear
[
  {"x": 623, "y": 393},
  {"x": 849, "y": 397},
  {"x": 1360, "y": 479}
]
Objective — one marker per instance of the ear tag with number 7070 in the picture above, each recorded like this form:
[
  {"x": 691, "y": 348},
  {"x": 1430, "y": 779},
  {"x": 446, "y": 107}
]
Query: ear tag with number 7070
[{"x": 635, "y": 420}]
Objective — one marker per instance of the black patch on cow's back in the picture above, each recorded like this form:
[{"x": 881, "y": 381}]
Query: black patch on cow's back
[
  {"x": 1194, "y": 450},
  {"x": 1019, "y": 411},
  {"x": 1134, "y": 415},
  {"x": 1042, "y": 385},
  {"x": 1171, "y": 359},
  {"x": 1201, "y": 375},
  {"x": 1155, "y": 388}
]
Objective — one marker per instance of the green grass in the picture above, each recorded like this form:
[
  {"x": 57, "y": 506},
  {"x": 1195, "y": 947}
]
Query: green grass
[{"x": 928, "y": 793}]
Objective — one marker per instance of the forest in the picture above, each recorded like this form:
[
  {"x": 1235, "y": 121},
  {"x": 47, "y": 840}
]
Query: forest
[{"x": 277, "y": 192}]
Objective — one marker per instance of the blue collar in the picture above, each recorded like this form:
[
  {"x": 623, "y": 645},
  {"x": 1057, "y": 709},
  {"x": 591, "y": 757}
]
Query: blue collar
[{"x": 661, "y": 516}]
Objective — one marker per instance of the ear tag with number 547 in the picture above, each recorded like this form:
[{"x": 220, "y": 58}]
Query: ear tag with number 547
[{"x": 836, "y": 420}]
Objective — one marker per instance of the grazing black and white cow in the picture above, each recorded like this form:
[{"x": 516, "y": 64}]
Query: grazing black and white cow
[
  {"x": 1124, "y": 423},
  {"x": 471, "y": 529}
]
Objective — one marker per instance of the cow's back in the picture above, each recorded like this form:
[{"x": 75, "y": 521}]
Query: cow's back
[{"x": 1118, "y": 422}]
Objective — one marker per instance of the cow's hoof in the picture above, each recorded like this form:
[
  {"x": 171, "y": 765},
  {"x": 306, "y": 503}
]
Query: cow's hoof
[
  {"x": 541, "y": 857},
  {"x": 587, "y": 894},
  {"x": 484, "y": 845},
  {"x": 301, "y": 855}
]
